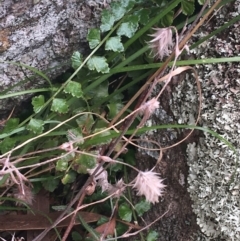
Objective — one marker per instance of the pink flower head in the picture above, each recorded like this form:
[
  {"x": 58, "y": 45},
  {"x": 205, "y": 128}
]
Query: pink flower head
[
  {"x": 162, "y": 42},
  {"x": 150, "y": 185},
  {"x": 149, "y": 107}
]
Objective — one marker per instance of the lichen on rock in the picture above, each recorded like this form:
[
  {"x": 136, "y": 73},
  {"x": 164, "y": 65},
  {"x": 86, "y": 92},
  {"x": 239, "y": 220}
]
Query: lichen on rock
[{"x": 211, "y": 162}]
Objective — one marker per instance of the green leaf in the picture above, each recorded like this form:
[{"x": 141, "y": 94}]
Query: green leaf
[
  {"x": 59, "y": 105},
  {"x": 70, "y": 177},
  {"x": 102, "y": 134},
  {"x": 75, "y": 135},
  {"x": 99, "y": 64},
  {"x": 121, "y": 228},
  {"x": 11, "y": 125},
  {"x": 187, "y": 7},
  {"x": 152, "y": 236},
  {"x": 74, "y": 88},
  {"x": 76, "y": 59},
  {"x": 38, "y": 103},
  {"x": 143, "y": 14},
  {"x": 114, "y": 44},
  {"x": 128, "y": 28},
  {"x": 50, "y": 184},
  {"x": 142, "y": 207},
  {"x": 116, "y": 167},
  {"x": 86, "y": 162},
  {"x": 100, "y": 93},
  {"x": 100, "y": 139},
  {"x": 85, "y": 121},
  {"x": 97, "y": 96},
  {"x": 128, "y": 4},
  {"x": 118, "y": 10},
  {"x": 167, "y": 20},
  {"x": 125, "y": 212},
  {"x": 7, "y": 144},
  {"x": 76, "y": 236},
  {"x": 114, "y": 108},
  {"x": 93, "y": 37},
  {"x": 36, "y": 126},
  {"x": 107, "y": 20},
  {"x": 62, "y": 165},
  {"x": 66, "y": 157}
]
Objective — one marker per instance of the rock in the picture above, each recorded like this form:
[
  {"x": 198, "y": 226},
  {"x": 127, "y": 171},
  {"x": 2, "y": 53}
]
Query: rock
[{"x": 42, "y": 34}]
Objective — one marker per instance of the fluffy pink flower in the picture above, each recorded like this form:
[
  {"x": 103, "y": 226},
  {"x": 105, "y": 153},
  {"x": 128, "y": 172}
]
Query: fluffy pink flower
[
  {"x": 149, "y": 107},
  {"x": 161, "y": 43},
  {"x": 150, "y": 185}
]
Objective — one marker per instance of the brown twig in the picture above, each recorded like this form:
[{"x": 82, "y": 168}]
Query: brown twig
[{"x": 71, "y": 224}]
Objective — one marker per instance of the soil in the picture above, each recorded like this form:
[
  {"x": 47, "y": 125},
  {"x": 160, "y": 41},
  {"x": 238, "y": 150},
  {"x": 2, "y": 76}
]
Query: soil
[{"x": 179, "y": 224}]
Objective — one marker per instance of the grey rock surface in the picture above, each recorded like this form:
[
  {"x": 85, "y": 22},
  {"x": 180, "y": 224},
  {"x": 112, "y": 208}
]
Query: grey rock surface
[
  {"x": 212, "y": 164},
  {"x": 42, "y": 34}
]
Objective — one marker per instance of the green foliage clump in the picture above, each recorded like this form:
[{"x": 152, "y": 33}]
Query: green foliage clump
[{"x": 70, "y": 126}]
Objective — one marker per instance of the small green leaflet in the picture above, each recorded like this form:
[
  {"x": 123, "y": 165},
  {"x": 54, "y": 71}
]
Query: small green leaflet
[
  {"x": 152, "y": 236},
  {"x": 125, "y": 212},
  {"x": 35, "y": 125},
  {"x": 118, "y": 10},
  {"x": 69, "y": 177},
  {"x": 114, "y": 108},
  {"x": 74, "y": 88},
  {"x": 128, "y": 4},
  {"x": 11, "y": 125},
  {"x": 88, "y": 161},
  {"x": 50, "y": 184},
  {"x": 93, "y": 37},
  {"x": 188, "y": 7},
  {"x": 76, "y": 236},
  {"x": 7, "y": 144},
  {"x": 107, "y": 20},
  {"x": 167, "y": 19},
  {"x": 38, "y": 102},
  {"x": 85, "y": 120},
  {"x": 142, "y": 207},
  {"x": 62, "y": 165},
  {"x": 59, "y": 105},
  {"x": 144, "y": 15},
  {"x": 99, "y": 139},
  {"x": 76, "y": 59},
  {"x": 99, "y": 64},
  {"x": 114, "y": 44},
  {"x": 75, "y": 136},
  {"x": 129, "y": 28}
]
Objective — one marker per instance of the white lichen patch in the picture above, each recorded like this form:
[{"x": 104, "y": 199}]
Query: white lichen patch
[{"x": 212, "y": 186}]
